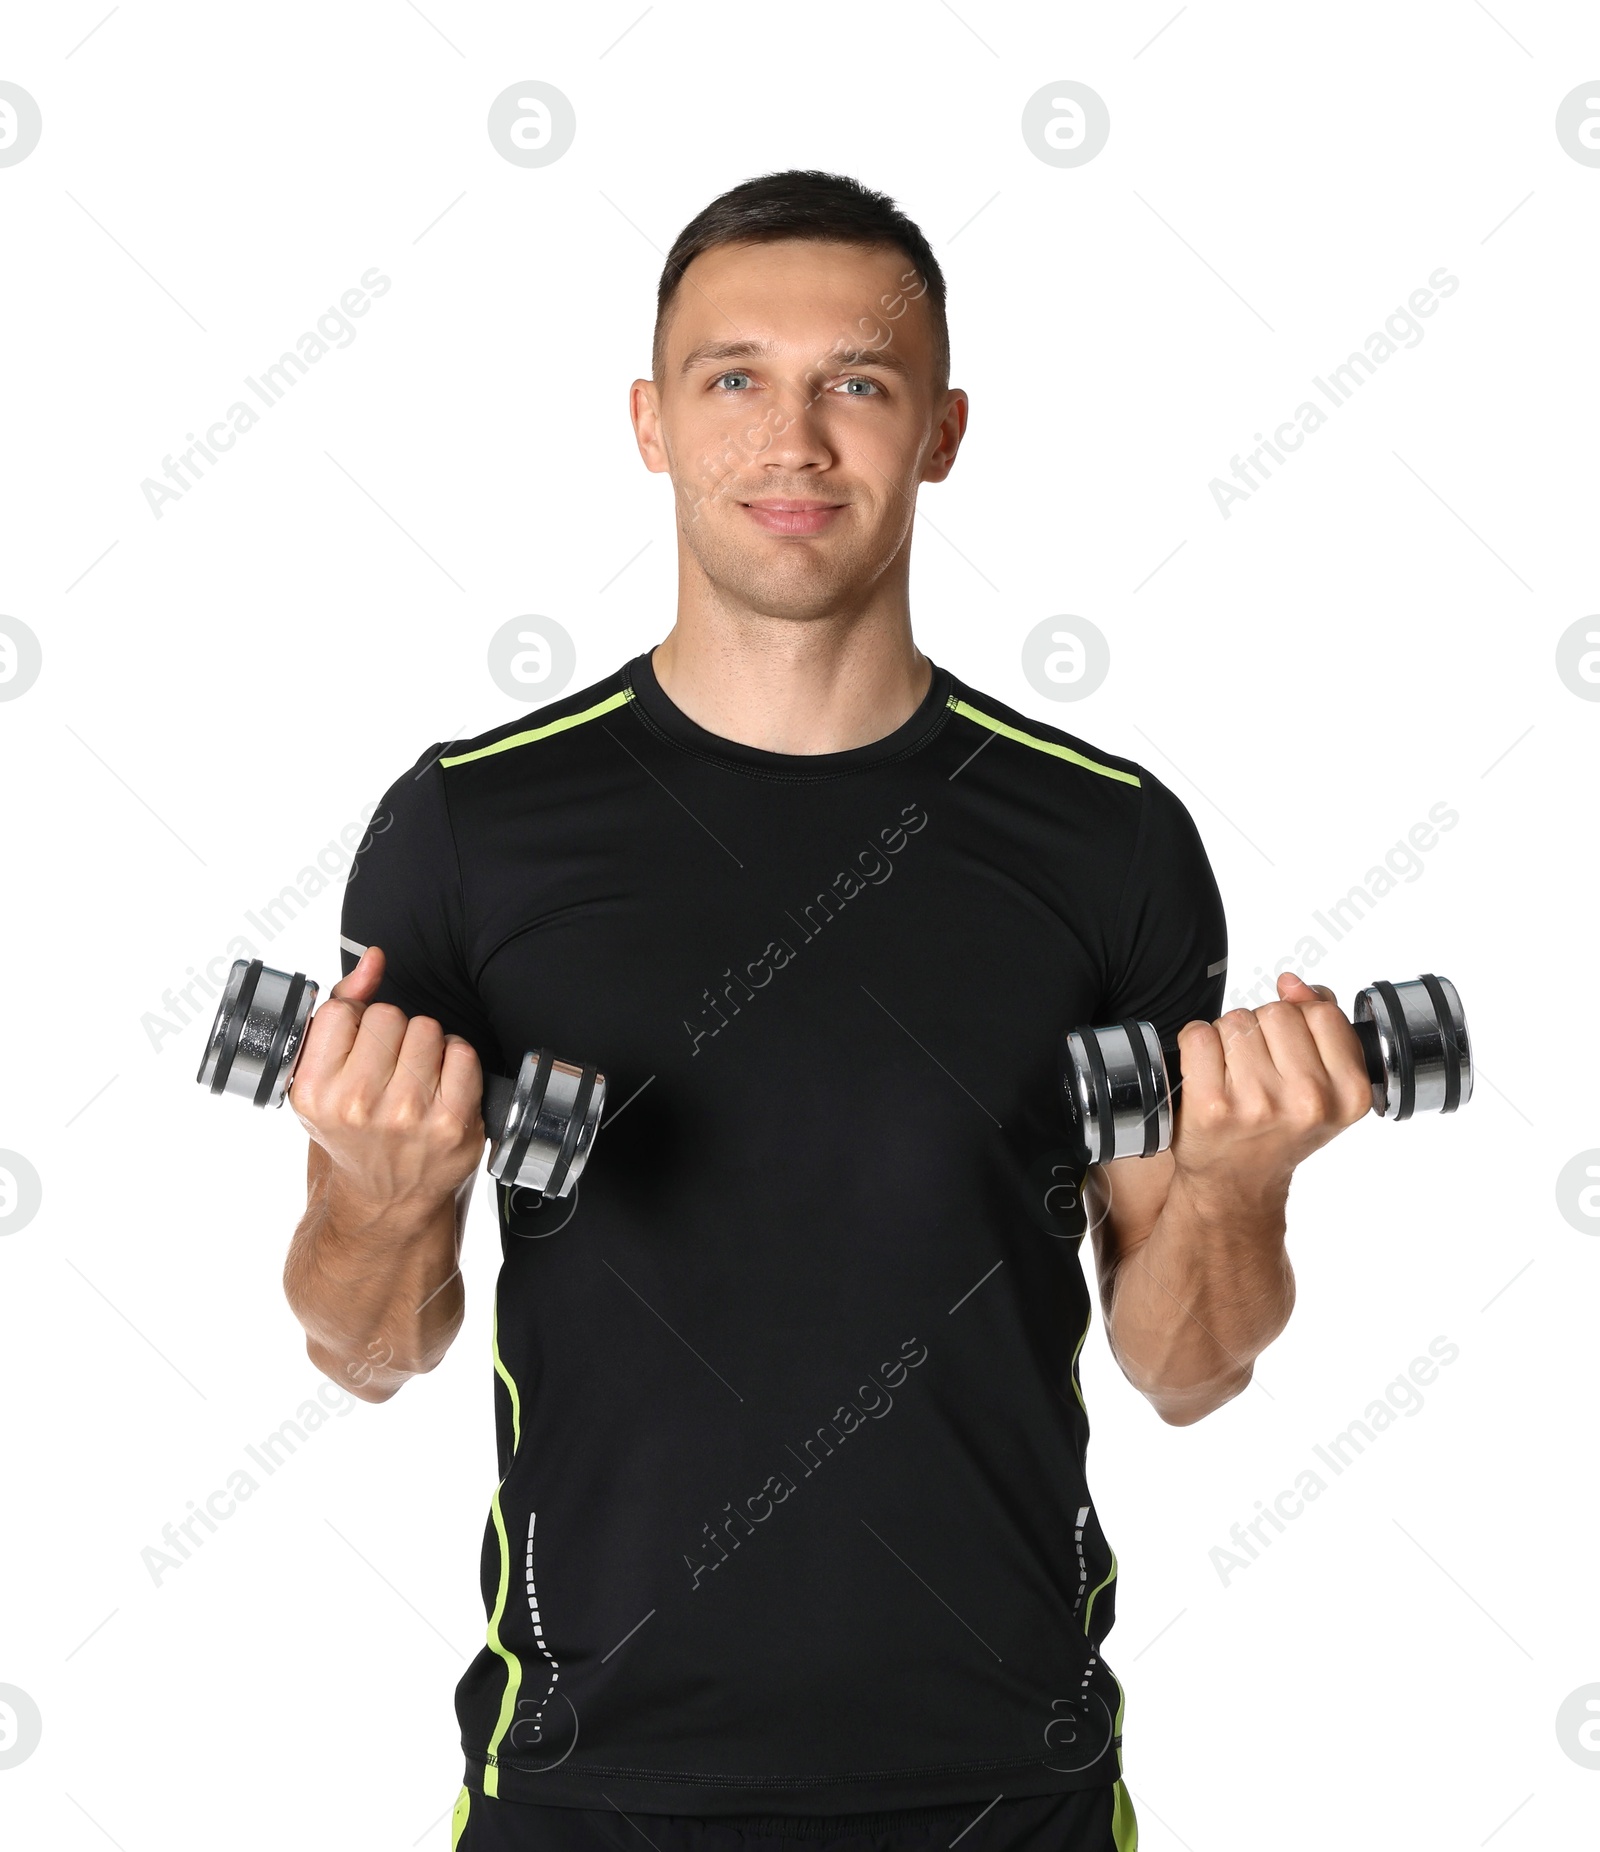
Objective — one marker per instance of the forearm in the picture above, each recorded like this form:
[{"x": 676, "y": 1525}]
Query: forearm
[
  {"x": 1194, "y": 1304},
  {"x": 377, "y": 1288}
]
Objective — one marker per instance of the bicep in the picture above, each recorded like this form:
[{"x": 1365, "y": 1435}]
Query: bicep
[{"x": 1124, "y": 1199}]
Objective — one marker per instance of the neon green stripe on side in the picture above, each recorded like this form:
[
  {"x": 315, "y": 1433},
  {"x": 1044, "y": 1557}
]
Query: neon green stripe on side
[
  {"x": 1039, "y": 745},
  {"x": 506, "y": 1377},
  {"x": 541, "y": 733},
  {"x": 1122, "y": 1705},
  {"x": 508, "y": 1703},
  {"x": 1073, "y": 1366},
  {"x": 458, "y": 1817},
  {"x": 1111, "y": 1573},
  {"x": 1124, "y": 1827}
]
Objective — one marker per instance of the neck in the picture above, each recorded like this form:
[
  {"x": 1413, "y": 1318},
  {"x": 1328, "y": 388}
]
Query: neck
[{"x": 818, "y": 685}]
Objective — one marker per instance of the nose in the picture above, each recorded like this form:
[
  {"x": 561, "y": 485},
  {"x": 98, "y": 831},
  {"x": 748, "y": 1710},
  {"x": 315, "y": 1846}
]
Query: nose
[{"x": 797, "y": 432}]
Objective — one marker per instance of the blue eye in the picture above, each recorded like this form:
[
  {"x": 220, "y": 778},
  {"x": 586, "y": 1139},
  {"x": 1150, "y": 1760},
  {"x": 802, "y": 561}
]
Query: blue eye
[{"x": 853, "y": 380}]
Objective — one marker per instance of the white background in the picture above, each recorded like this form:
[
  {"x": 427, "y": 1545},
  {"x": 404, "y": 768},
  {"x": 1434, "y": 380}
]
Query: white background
[{"x": 225, "y": 688}]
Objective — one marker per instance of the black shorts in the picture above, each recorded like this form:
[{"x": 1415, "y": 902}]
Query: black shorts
[{"x": 1085, "y": 1820}]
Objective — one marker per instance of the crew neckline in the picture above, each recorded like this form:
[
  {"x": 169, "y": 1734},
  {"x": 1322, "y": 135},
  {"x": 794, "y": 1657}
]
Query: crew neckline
[{"x": 661, "y": 713}]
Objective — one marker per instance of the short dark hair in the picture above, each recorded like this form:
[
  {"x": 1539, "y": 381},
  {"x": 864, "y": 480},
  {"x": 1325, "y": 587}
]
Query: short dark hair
[{"x": 804, "y": 203}]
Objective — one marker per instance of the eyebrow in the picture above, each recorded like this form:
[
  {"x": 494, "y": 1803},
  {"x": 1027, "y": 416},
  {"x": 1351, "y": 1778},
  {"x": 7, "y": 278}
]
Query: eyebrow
[{"x": 884, "y": 358}]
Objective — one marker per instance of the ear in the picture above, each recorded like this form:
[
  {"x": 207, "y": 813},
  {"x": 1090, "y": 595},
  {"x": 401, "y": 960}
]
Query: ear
[
  {"x": 951, "y": 429},
  {"x": 644, "y": 408}
]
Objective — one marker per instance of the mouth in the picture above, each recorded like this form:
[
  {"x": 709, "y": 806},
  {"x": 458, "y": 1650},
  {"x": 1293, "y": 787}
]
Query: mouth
[{"x": 792, "y": 516}]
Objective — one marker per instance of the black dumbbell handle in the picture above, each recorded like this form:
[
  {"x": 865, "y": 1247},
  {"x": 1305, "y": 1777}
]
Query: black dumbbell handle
[
  {"x": 497, "y": 1092},
  {"x": 1366, "y": 1032}
]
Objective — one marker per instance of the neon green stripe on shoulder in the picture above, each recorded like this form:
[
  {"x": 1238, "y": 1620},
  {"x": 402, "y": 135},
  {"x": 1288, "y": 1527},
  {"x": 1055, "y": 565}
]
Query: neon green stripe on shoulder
[
  {"x": 622, "y": 696},
  {"x": 1039, "y": 745}
]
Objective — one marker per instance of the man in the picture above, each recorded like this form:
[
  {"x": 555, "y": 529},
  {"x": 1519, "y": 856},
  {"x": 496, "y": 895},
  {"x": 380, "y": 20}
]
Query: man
[{"x": 792, "y": 1538}]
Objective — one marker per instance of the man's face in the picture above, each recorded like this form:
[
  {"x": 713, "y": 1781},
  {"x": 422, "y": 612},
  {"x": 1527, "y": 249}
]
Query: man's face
[{"x": 796, "y": 414}]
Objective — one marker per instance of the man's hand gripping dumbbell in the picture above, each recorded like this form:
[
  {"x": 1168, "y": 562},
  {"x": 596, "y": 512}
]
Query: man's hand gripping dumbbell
[
  {"x": 397, "y": 1111},
  {"x": 1404, "y": 1051},
  {"x": 541, "y": 1124},
  {"x": 1187, "y": 1208},
  {"x": 396, "y": 1103}
]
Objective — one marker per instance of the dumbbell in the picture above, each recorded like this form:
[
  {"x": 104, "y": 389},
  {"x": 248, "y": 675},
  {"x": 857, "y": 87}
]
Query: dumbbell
[
  {"x": 542, "y": 1124},
  {"x": 1119, "y": 1082}
]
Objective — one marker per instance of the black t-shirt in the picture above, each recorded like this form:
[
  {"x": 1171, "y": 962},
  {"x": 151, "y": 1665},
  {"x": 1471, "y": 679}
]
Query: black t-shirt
[{"x": 793, "y": 1513}]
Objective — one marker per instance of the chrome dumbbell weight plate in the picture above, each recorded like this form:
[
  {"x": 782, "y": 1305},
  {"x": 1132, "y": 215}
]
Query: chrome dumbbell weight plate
[
  {"x": 548, "y": 1118},
  {"x": 1118, "y": 1092},
  {"x": 257, "y": 1035},
  {"x": 1424, "y": 1061}
]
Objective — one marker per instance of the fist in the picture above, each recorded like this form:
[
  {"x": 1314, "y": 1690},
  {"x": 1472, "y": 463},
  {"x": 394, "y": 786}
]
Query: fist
[
  {"x": 394, "y": 1101},
  {"x": 1264, "y": 1088}
]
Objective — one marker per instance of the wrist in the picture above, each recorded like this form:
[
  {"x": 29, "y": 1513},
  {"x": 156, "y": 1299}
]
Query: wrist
[
  {"x": 1231, "y": 1194},
  {"x": 358, "y": 1210}
]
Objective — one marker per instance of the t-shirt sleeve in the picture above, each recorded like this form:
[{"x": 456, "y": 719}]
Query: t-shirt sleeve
[
  {"x": 404, "y": 894},
  {"x": 1169, "y": 942}
]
